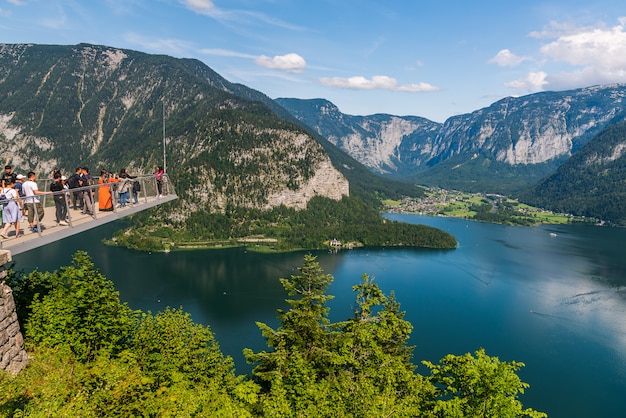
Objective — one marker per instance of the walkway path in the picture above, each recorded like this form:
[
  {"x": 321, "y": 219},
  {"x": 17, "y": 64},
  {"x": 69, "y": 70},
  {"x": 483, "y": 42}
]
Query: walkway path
[{"x": 79, "y": 222}]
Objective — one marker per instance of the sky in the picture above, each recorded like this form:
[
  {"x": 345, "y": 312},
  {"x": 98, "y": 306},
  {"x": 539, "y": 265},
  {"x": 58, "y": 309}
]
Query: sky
[{"x": 434, "y": 59}]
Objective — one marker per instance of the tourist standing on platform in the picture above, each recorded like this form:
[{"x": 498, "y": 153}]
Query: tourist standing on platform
[
  {"x": 18, "y": 188},
  {"x": 85, "y": 180},
  {"x": 124, "y": 187},
  {"x": 72, "y": 183},
  {"x": 19, "y": 182},
  {"x": 159, "y": 179},
  {"x": 8, "y": 175},
  {"x": 136, "y": 191},
  {"x": 11, "y": 213},
  {"x": 32, "y": 202},
  {"x": 60, "y": 202},
  {"x": 105, "y": 191}
]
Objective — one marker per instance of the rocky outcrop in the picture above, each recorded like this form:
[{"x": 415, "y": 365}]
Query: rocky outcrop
[
  {"x": 327, "y": 181},
  {"x": 13, "y": 357}
]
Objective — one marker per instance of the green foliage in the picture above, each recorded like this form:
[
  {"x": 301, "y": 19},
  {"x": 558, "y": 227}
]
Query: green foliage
[
  {"x": 376, "y": 371},
  {"x": 27, "y": 287},
  {"x": 166, "y": 365},
  {"x": 591, "y": 183},
  {"x": 362, "y": 367},
  {"x": 82, "y": 312},
  {"x": 302, "y": 335},
  {"x": 55, "y": 383},
  {"x": 350, "y": 220},
  {"x": 479, "y": 386},
  {"x": 170, "y": 347},
  {"x": 483, "y": 174},
  {"x": 500, "y": 212},
  {"x": 93, "y": 356}
]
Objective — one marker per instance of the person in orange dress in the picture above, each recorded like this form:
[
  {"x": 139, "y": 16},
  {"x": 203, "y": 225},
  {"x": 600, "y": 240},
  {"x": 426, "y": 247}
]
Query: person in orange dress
[{"x": 105, "y": 195}]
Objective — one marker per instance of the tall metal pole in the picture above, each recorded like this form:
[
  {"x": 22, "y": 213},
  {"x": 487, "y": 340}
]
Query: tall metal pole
[{"x": 164, "y": 154}]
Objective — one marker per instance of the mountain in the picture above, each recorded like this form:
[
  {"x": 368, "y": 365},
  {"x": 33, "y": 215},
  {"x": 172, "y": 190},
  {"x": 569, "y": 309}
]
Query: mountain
[
  {"x": 502, "y": 148},
  {"x": 591, "y": 183},
  {"x": 385, "y": 143},
  {"x": 63, "y": 106}
]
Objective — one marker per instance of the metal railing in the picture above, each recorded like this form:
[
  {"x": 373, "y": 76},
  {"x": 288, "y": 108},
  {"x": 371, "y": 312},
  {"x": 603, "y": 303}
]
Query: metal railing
[{"x": 151, "y": 190}]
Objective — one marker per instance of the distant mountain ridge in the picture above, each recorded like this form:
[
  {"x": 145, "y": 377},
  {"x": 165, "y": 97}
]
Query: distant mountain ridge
[
  {"x": 385, "y": 143},
  {"x": 506, "y": 146}
]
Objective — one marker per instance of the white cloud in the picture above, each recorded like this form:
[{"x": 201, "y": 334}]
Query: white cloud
[
  {"x": 505, "y": 58},
  {"x": 577, "y": 57},
  {"x": 596, "y": 55},
  {"x": 377, "y": 82},
  {"x": 205, "y": 7},
  {"x": 603, "y": 48},
  {"x": 225, "y": 53},
  {"x": 16, "y": 2},
  {"x": 292, "y": 63},
  {"x": 175, "y": 47},
  {"x": 554, "y": 30},
  {"x": 534, "y": 81},
  {"x": 241, "y": 17}
]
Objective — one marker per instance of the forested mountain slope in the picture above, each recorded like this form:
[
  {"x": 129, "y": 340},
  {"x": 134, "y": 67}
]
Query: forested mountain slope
[
  {"x": 591, "y": 183},
  {"x": 232, "y": 153},
  {"x": 63, "y": 106}
]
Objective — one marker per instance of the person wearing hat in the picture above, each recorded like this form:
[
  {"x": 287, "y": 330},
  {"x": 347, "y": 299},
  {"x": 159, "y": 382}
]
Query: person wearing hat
[
  {"x": 8, "y": 175},
  {"x": 19, "y": 180}
]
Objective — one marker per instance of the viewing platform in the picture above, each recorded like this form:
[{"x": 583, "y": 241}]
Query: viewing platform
[{"x": 49, "y": 231}]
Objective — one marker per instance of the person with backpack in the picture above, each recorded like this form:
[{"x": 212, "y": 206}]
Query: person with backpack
[
  {"x": 136, "y": 191},
  {"x": 8, "y": 175},
  {"x": 85, "y": 180},
  {"x": 60, "y": 203},
  {"x": 72, "y": 183}
]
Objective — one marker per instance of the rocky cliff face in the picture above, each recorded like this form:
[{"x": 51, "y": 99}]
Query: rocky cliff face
[
  {"x": 327, "y": 181},
  {"x": 538, "y": 130},
  {"x": 532, "y": 129},
  {"x": 384, "y": 143},
  {"x": 13, "y": 357},
  {"x": 64, "y": 106}
]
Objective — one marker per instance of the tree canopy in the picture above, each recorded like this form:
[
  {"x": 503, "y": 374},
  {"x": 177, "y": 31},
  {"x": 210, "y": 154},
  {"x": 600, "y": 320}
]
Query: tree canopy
[{"x": 91, "y": 355}]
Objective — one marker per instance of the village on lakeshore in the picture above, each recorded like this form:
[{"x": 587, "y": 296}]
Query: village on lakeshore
[{"x": 481, "y": 207}]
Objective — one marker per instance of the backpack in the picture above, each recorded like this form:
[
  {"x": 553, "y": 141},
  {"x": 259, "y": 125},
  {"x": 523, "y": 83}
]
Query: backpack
[
  {"x": 3, "y": 199},
  {"x": 72, "y": 182},
  {"x": 136, "y": 187}
]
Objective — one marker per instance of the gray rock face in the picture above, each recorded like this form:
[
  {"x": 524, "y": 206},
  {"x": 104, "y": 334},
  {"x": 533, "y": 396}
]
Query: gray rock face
[
  {"x": 13, "y": 357},
  {"x": 528, "y": 130}
]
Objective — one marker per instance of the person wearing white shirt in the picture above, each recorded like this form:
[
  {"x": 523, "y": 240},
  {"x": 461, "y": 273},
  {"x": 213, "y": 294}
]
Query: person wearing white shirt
[{"x": 32, "y": 202}]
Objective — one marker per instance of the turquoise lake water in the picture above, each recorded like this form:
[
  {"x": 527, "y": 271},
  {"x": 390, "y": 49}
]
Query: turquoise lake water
[{"x": 553, "y": 297}]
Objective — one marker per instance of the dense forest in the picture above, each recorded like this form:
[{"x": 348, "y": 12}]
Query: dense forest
[
  {"x": 348, "y": 220},
  {"x": 91, "y": 355},
  {"x": 591, "y": 183}
]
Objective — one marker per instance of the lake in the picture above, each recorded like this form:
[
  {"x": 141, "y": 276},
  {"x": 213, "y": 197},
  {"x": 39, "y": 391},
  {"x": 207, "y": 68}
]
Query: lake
[{"x": 553, "y": 297}]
